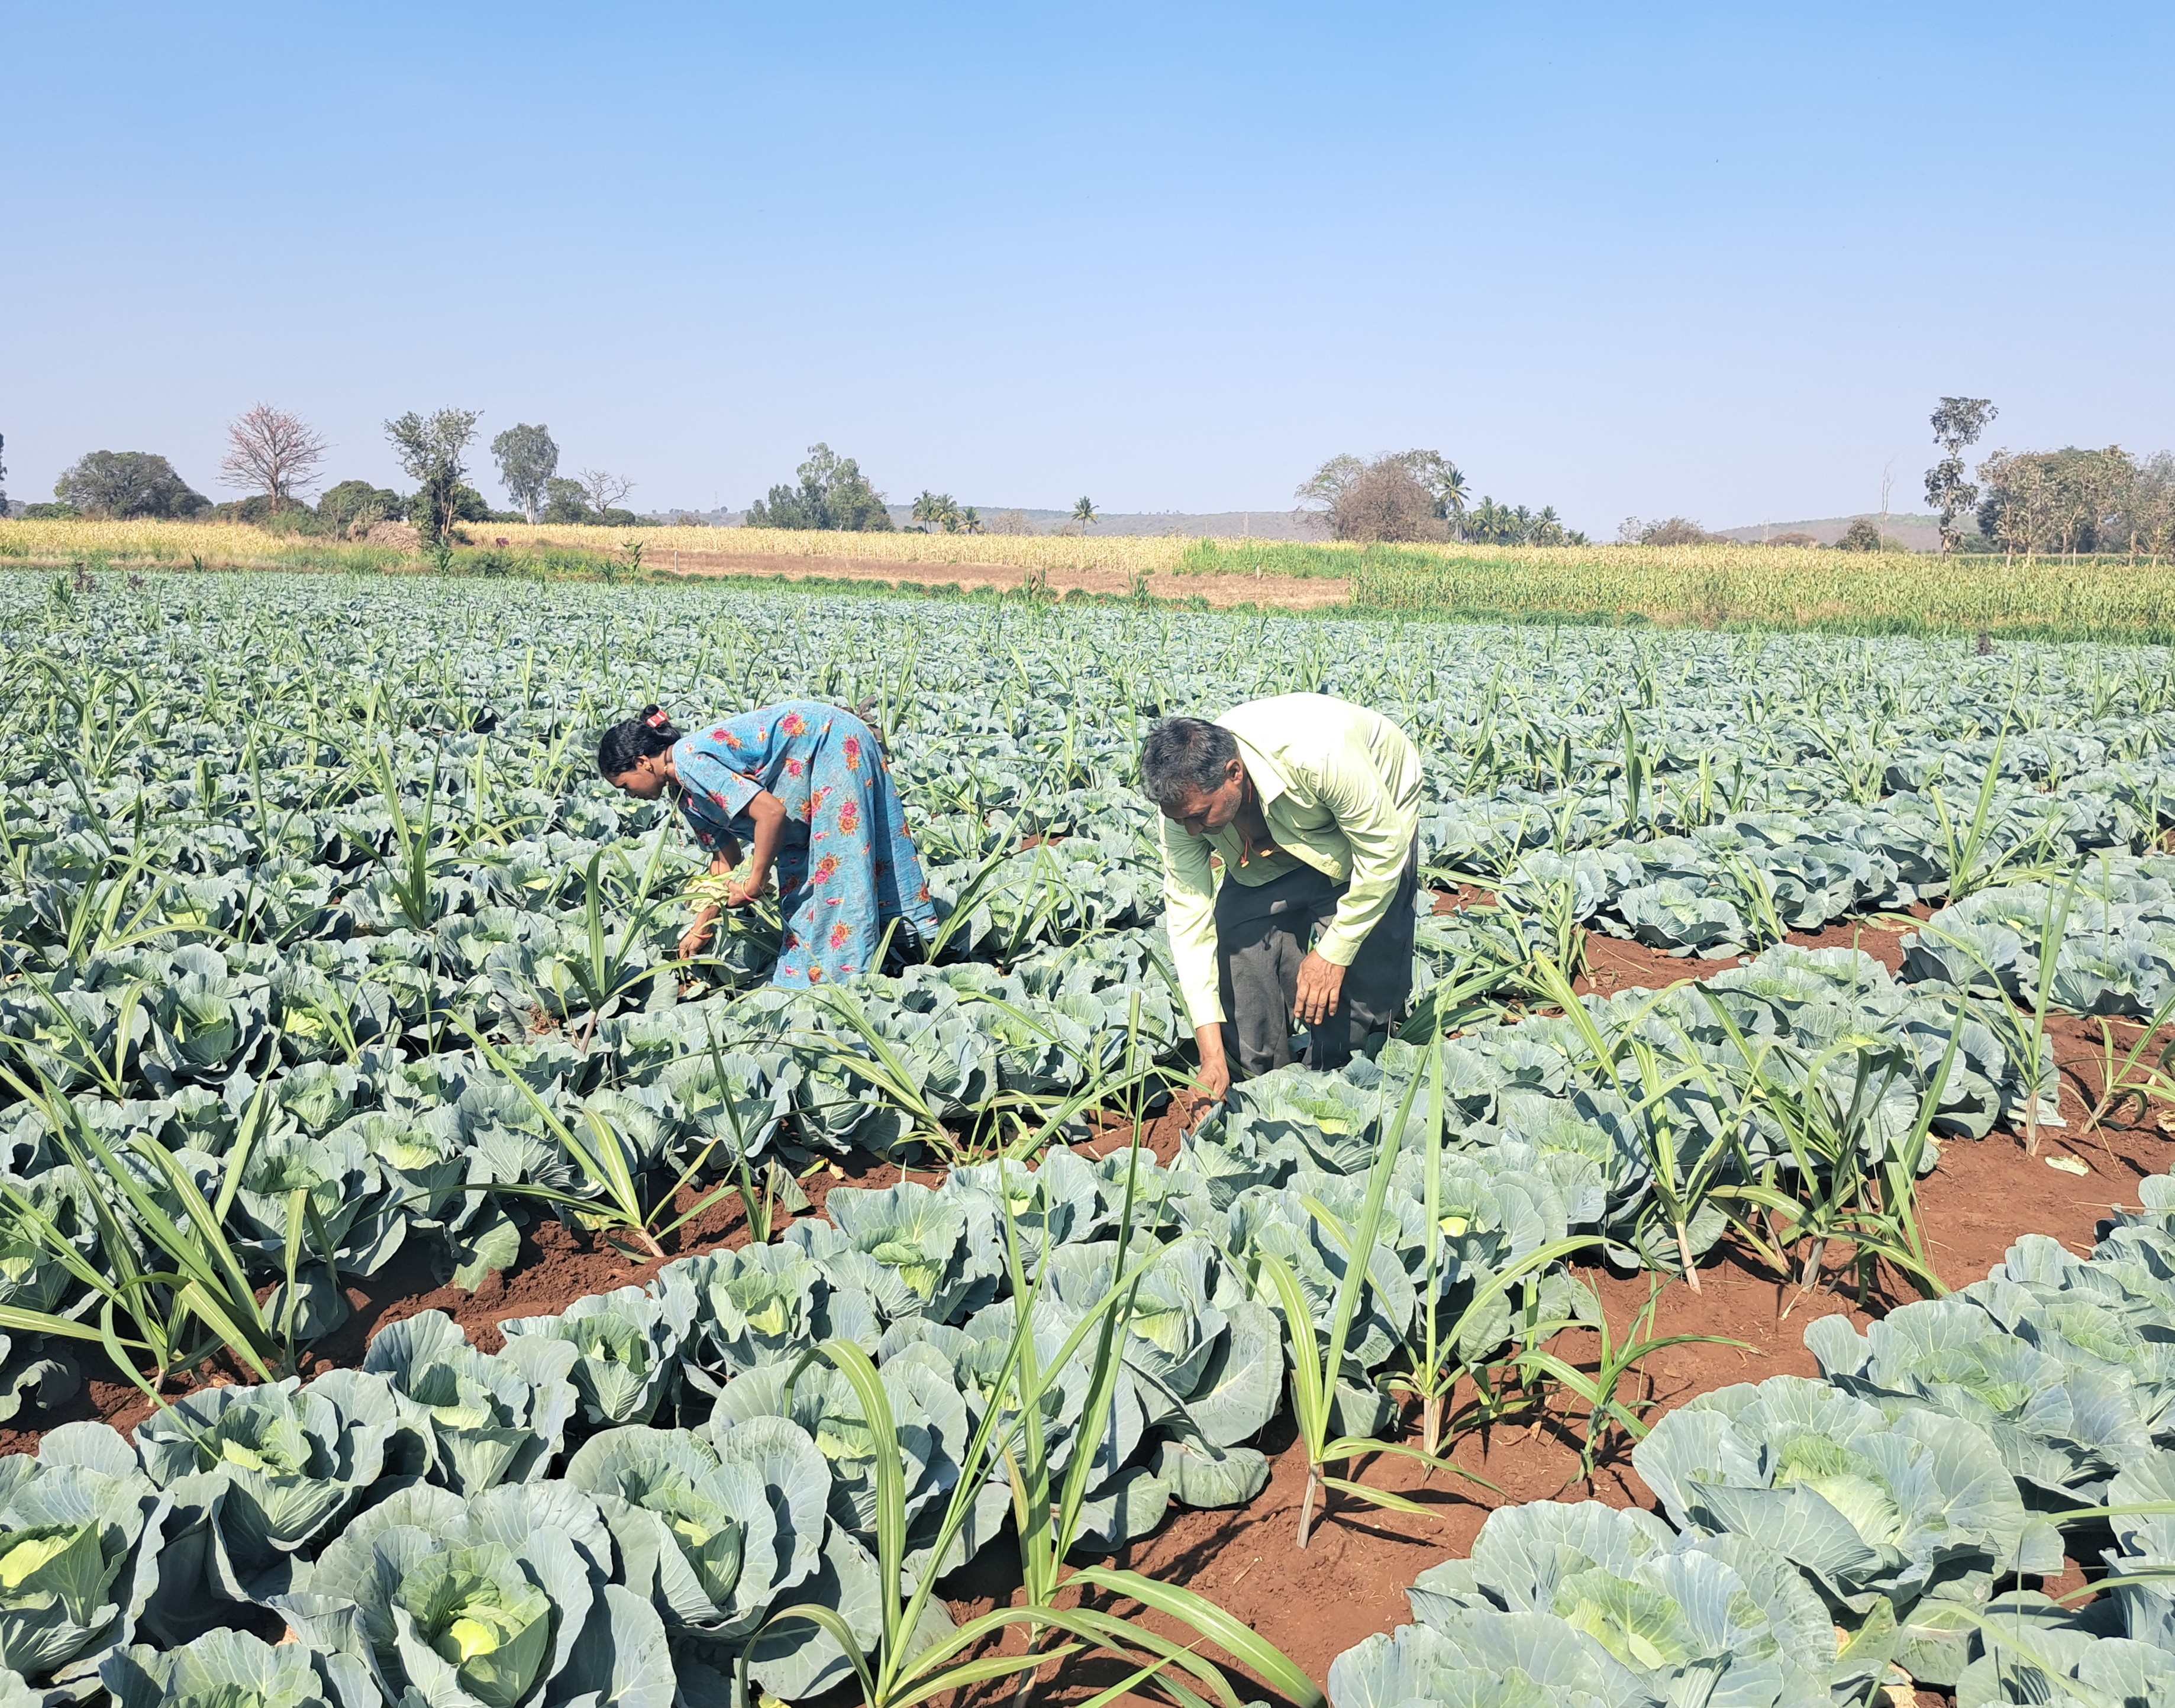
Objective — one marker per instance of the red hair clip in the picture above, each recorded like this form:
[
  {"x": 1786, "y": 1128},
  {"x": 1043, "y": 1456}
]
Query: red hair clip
[{"x": 656, "y": 720}]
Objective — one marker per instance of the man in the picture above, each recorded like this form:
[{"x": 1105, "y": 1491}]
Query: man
[{"x": 1311, "y": 806}]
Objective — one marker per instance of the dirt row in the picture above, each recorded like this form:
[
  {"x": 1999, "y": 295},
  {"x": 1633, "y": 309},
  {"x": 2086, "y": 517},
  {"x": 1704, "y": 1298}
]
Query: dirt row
[{"x": 1287, "y": 593}]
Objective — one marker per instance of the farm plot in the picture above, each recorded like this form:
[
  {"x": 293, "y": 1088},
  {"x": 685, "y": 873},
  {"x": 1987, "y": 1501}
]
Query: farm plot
[{"x": 327, "y": 959}]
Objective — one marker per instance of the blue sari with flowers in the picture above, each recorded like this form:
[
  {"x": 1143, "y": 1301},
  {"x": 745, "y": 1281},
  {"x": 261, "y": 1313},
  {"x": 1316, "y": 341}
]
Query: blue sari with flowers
[{"x": 846, "y": 867}]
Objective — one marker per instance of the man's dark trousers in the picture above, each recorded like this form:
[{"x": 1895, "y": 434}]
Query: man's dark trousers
[{"x": 1263, "y": 932}]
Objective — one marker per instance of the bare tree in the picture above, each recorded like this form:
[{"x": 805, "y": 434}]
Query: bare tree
[
  {"x": 271, "y": 452},
  {"x": 603, "y": 490},
  {"x": 1409, "y": 495},
  {"x": 1317, "y": 498}
]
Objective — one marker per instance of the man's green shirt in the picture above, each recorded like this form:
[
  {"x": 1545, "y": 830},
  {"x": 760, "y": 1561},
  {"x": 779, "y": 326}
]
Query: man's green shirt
[{"x": 1339, "y": 789}]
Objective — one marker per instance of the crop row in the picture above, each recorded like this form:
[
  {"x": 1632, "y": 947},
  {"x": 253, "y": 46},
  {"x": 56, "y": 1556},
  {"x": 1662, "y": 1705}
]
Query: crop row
[{"x": 710, "y": 1476}]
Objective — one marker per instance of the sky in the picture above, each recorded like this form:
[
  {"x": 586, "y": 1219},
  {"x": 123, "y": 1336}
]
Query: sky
[{"x": 1717, "y": 261}]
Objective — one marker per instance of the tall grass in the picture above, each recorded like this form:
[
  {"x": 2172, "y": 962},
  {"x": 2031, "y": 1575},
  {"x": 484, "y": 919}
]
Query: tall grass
[{"x": 1710, "y": 585}]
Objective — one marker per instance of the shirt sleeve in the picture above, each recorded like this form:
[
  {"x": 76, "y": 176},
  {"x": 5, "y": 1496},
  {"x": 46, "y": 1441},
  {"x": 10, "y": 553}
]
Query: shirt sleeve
[
  {"x": 714, "y": 793},
  {"x": 1189, "y": 900},
  {"x": 1378, "y": 828}
]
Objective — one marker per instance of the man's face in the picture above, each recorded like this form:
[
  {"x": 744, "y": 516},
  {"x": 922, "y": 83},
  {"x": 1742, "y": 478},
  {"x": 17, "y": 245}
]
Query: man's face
[{"x": 1205, "y": 809}]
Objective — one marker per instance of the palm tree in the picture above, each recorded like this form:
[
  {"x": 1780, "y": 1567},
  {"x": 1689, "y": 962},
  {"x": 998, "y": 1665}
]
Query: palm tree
[
  {"x": 1450, "y": 492},
  {"x": 937, "y": 509},
  {"x": 1083, "y": 513}
]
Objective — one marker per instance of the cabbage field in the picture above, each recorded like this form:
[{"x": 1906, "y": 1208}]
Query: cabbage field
[{"x": 324, "y": 950}]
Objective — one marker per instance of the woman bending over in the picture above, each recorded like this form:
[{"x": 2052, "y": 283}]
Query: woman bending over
[{"x": 804, "y": 788}]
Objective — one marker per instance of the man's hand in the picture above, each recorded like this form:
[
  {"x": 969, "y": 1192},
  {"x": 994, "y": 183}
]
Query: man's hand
[
  {"x": 1214, "y": 1078},
  {"x": 1320, "y": 983}
]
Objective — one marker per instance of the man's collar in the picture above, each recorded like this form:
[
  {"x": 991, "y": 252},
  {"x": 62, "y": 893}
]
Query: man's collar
[{"x": 1268, "y": 777}]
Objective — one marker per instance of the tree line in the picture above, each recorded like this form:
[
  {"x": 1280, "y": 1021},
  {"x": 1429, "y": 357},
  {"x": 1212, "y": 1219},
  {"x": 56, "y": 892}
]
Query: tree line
[
  {"x": 2059, "y": 504},
  {"x": 276, "y": 458}
]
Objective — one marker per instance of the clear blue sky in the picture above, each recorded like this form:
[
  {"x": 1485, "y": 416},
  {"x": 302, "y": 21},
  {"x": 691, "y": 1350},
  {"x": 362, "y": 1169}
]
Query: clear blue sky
[{"x": 1716, "y": 260}]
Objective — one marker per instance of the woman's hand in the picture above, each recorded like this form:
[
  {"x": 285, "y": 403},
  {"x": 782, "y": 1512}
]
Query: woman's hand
[
  {"x": 746, "y": 891},
  {"x": 698, "y": 935}
]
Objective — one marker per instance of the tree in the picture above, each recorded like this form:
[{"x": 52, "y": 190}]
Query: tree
[
  {"x": 1386, "y": 502},
  {"x": 1083, "y": 512},
  {"x": 2149, "y": 518},
  {"x": 528, "y": 458},
  {"x": 603, "y": 490},
  {"x": 272, "y": 452},
  {"x": 429, "y": 448},
  {"x": 1409, "y": 495},
  {"x": 1862, "y": 535},
  {"x": 1318, "y": 496},
  {"x": 1957, "y": 424},
  {"x": 353, "y": 506},
  {"x": 126, "y": 483},
  {"x": 833, "y": 494},
  {"x": 2068, "y": 501},
  {"x": 1675, "y": 530},
  {"x": 565, "y": 502},
  {"x": 3, "y": 480},
  {"x": 936, "y": 510},
  {"x": 1441, "y": 477}
]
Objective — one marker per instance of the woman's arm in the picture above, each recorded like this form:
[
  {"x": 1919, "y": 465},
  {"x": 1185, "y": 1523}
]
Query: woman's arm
[
  {"x": 767, "y": 813},
  {"x": 698, "y": 936}
]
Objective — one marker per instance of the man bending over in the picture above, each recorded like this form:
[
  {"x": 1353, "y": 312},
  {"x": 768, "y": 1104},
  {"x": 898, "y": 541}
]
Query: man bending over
[{"x": 1309, "y": 806}]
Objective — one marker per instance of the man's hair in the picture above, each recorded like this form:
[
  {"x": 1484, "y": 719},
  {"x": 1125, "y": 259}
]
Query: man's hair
[{"x": 1183, "y": 756}]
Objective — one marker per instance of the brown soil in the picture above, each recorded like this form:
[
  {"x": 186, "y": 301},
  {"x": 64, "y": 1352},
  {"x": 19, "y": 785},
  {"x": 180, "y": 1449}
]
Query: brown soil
[
  {"x": 1291, "y": 593},
  {"x": 1618, "y": 963}
]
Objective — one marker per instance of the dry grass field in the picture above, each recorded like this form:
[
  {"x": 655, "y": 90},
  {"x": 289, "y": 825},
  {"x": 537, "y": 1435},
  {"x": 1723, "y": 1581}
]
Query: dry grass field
[{"x": 1706, "y": 585}]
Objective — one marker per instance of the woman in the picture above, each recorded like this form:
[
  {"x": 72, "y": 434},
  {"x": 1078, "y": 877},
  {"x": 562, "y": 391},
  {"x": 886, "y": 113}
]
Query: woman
[{"x": 804, "y": 787}]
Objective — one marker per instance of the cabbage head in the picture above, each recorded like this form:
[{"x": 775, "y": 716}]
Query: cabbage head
[
  {"x": 482, "y": 1420},
  {"x": 1948, "y": 1355},
  {"x": 259, "y": 1475},
  {"x": 499, "y": 1601},
  {"x": 80, "y": 1532},
  {"x": 233, "y": 1669},
  {"x": 745, "y": 1308},
  {"x": 1661, "y": 1617},
  {"x": 1916, "y": 1510},
  {"x": 627, "y": 1351},
  {"x": 714, "y": 1532},
  {"x": 943, "y": 1246}
]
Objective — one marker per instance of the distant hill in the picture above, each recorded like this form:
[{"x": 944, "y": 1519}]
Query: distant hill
[{"x": 1919, "y": 533}]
